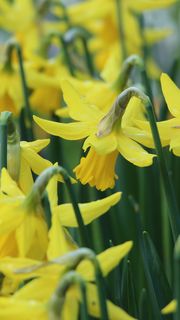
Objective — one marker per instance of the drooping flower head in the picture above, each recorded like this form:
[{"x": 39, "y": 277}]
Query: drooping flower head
[{"x": 105, "y": 133}]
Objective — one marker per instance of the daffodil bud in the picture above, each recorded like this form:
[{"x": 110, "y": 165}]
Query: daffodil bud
[{"x": 106, "y": 124}]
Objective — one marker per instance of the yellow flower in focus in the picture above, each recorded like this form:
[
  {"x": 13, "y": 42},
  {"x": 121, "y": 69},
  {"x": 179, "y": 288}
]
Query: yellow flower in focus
[{"x": 97, "y": 168}]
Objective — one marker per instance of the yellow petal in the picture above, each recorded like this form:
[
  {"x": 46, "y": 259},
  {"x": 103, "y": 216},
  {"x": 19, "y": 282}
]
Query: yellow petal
[
  {"x": 108, "y": 260},
  {"x": 171, "y": 94},
  {"x": 170, "y": 308},
  {"x": 36, "y": 145},
  {"x": 59, "y": 241},
  {"x": 11, "y": 216},
  {"x": 141, "y": 5},
  {"x": 133, "y": 152},
  {"x": 11, "y": 308},
  {"x": 52, "y": 192},
  {"x": 69, "y": 131},
  {"x": 8, "y": 245},
  {"x": 8, "y": 185},
  {"x": 40, "y": 241},
  {"x": 9, "y": 265},
  {"x": 25, "y": 176},
  {"x": 71, "y": 306},
  {"x": 139, "y": 135},
  {"x": 78, "y": 108},
  {"x": 62, "y": 112},
  {"x": 89, "y": 211},
  {"x": 25, "y": 234},
  {"x": 35, "y": 161},
  {"x": 168, "y": 129},
  {"x": 114, "y": 312},
  {"x": 39, "y": 290},
  {"x": 156, "y": 35},
  {"x": 175, "y": 146},
  {"x": 103, "y": 145}
]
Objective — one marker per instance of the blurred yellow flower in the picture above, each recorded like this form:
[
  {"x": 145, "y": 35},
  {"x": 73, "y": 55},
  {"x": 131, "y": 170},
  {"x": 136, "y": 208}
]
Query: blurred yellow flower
[
  {"x": 99, "y": 17},
  {"x": 11, "y": 96},
  {"x": 41, "y": 289}
]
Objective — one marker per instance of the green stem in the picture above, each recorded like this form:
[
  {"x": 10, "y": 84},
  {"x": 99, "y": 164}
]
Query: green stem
[
  {"x": 9, "y": 145},
  {"x": 47, "y": 210},
  {"x": 3, "y": 139},
  {"x": 174, "y": 215},
  {"x": 152, "y": 293},
  {"x": 39, "y": 188},
  {"x": 72, "y": 260},
  {"x": 88, "y": 57},
  {"x": 27, "y": 110},
  {"x": 145, "y": 53},
  {"x": 101, "y": 291},
  {"x": 119, "y": 13},
  {"x": 79, "y": 33},
  {"x": 82, "y": 230},
  {"x": 67, "y": 55},
  {"x": 57, "y": 300}
]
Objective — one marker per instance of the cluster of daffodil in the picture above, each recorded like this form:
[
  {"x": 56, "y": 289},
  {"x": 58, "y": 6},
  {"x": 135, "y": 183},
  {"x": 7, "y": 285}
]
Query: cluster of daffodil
[{"x": 82, "y": 72}]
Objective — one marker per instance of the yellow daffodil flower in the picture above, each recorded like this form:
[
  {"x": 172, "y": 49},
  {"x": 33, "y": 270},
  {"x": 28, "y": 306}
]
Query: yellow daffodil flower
[
  {"x": 21, "y": 222},
  {"x": 168, "y": 129},
  {"x": 23, "y": 228},
  {"x": 30, "y": 161},
  {"x": 33, "y": 291},
  {"x": 100, "y": 18},
  {"x": 17, "y": 11},
  {"x": 11, "y": 97},
  {"x": 43, "y": 76},
  {"x": 97, "y": 168}
]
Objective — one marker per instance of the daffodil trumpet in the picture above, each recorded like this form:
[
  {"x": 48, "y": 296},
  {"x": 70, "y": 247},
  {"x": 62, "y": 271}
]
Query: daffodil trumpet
[
  {"x": 39, "y": 187},
  {"x": 26, "y": 111},
  {"x": 9, "y": 145},
  {"x": 57, "y": 300}
]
